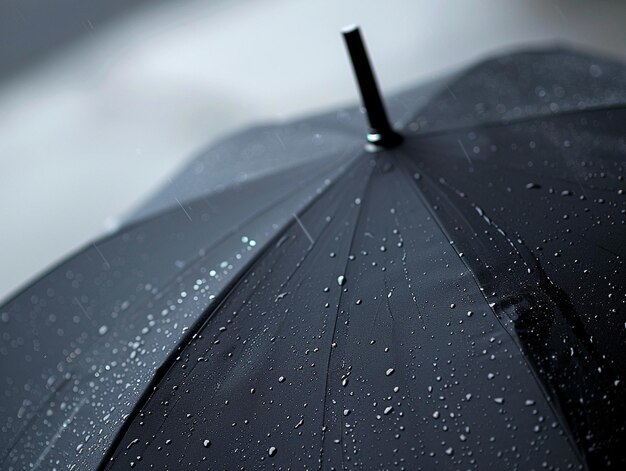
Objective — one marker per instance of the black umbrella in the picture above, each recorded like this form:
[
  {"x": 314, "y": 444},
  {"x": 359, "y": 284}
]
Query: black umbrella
[{"x": 452, "y": 301}]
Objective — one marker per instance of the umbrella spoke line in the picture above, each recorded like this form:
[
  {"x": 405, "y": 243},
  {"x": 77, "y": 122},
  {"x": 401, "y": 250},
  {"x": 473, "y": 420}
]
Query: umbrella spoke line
[
  {"x": 338, "y": 199},
  {"x": 409, "y": 279},
  {"x": 334, "y": 330},
  {"x": 252, "y": 293},
  {"x": 308, "y": 251}
]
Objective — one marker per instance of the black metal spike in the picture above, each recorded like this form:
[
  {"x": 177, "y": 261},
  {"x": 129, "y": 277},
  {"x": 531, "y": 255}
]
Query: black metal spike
[{"x": 381, "y": 134}]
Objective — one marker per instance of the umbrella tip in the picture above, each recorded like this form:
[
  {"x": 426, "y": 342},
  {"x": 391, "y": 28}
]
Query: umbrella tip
[{"x": 381, "y": 135}]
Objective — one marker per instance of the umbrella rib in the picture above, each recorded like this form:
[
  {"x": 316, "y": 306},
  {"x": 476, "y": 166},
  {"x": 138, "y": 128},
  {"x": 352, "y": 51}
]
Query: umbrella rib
[
  {"x": 330, "y": 350},
  {"x": 270, "y": 206},
  {"x": 199, "y": 324},
  {"x": 245, "y": 302}
]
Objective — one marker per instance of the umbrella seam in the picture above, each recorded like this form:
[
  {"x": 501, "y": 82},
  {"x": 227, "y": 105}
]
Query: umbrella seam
[
  {"x": 203, "y": 319},
  {"x": 570, "y": 437},
  {"x": 330, "y": 350},
  {"x": 245, "y": 302},
  {"x": 167, "y": 284}
]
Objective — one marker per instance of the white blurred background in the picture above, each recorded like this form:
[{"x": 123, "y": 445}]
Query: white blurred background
[{"x": 100, "y": 101}]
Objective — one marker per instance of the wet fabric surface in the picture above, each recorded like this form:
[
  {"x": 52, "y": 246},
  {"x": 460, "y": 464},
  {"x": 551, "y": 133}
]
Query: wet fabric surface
[
  {"x": 400, "y": 363},
  {"x": 522, "y": 85},
  {"x": 457, "y": 303},
  {"x": 553, "y": 265},
  {"x": 80, "y": 346}
]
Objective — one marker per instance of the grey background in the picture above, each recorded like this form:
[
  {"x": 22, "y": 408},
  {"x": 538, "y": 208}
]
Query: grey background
[{"x": 101, "y": 101}]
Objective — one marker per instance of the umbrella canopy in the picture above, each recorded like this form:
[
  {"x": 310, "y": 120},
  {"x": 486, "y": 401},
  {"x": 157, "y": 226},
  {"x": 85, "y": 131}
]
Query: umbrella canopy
[{"x": 455, "y": 302}]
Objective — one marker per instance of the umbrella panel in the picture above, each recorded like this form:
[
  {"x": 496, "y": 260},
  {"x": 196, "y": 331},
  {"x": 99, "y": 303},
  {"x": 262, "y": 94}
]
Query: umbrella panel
[{"x": 371, "y": 346}]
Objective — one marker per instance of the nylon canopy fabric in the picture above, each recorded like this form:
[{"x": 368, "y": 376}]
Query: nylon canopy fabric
[
  {"x": 374, "y": 346},
  {"x": 454, "y": 303},
  {"x": 528, "y": 258},
  {"x": 301, "y": 368},
  {"x": 81, "y": 344}
]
